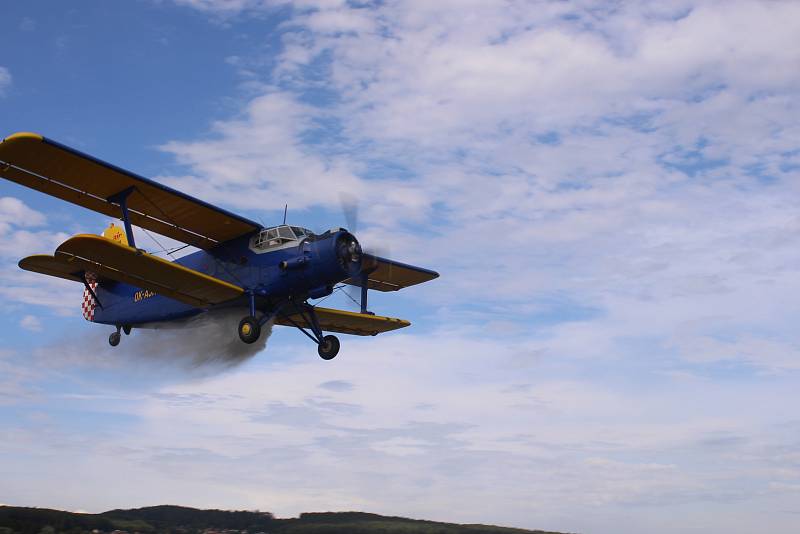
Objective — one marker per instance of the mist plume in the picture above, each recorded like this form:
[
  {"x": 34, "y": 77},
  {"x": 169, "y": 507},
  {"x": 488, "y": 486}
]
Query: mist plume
[{"x": 199, "y": 346}]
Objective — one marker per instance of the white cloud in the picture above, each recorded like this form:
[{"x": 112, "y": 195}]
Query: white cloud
[
  {"x": 612, "y": 158},
  {"x": 31, "y": 322},
  {"x": 20, "y": 236},
  {"x": 27, "y": 24},
  {"x": 5, "y": 80},
  {"x": 620, "y": 184},
  {"x": 262, "y": 156},
  {"x": 230, "y": 7},
  {"x": 260, "y": 432},
  {"x": 14, "y": 211}
]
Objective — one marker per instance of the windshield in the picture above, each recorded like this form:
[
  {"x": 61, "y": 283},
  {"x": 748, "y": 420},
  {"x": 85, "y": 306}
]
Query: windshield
[
  {"x": 273, "y": 237},
  {"x": 279, "y": 237},
  {"x": 301, "y": 232}
]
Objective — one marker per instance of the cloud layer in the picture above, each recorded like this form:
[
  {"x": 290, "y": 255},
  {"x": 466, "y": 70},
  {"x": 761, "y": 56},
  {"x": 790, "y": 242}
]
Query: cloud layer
[
  {"x": 639, "y": 162},
  {"x": 609, "y": 192}
]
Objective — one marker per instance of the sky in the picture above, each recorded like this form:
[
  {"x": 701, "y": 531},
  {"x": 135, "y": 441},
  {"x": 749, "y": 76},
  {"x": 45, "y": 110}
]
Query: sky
[{"x": 608, "y": 189}]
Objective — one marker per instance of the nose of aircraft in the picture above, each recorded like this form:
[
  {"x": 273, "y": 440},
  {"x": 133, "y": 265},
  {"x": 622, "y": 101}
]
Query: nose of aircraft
[
  {"x": 334, "y": 257},
  {"x": 348, "y": 253}
]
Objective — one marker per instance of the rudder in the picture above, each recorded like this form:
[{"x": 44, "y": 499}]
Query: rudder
[{"x": 89, "y": 301}]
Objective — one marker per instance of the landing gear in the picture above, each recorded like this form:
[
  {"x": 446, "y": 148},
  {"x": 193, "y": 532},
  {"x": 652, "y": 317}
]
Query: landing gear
[
  {"x": 301, "y": 315},
  {"x": 114, "y": 338},
  {"x": 249, "y": 329},
  {"x": 328, "y": 347}
]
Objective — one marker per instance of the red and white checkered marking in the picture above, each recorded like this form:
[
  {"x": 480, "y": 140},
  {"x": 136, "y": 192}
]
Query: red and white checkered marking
[{"x": 89, "y": 304}]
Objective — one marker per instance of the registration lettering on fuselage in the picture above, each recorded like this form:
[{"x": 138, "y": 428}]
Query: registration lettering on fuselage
[{"x": 143, "y": 294}]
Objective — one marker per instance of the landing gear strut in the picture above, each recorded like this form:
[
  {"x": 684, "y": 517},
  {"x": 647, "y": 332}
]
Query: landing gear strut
[
  {"x": 250, "y": 326},
  {"x": 327, "y": 346}
]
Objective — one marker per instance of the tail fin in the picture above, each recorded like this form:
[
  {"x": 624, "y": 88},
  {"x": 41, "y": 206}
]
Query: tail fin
[
  {"x": 114, "y": 233},
  {"x": 89, "y": 291}
]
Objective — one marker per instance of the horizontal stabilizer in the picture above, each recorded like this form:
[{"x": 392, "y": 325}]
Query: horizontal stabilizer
[
  {"x": 389, "y": 275},
  {"x": 63, "y": 172},
  {"x": 52, "y": 266},
  {"x": 114, "y": 261},
  {"x": 345, "y": 322}
]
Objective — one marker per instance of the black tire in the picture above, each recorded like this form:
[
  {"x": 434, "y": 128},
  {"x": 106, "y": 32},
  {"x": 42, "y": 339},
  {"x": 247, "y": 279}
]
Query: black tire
[
  {"x": 329, "y": 347},
  {"x": 127, "y": 329},
  {"x": 249, "y": 329},
  {"x": 114, "y": 338}
]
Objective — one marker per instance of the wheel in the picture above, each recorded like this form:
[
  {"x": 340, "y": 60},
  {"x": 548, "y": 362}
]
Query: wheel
[
  {"x": 114, "y": 338},
  {"x": 329, "y": 347},
  {"x": 249, "y": 329},
  {"x": 127, "y": 329}
]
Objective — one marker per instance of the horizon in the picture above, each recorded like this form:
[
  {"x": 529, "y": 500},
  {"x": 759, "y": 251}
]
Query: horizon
[
  {"x": 266, "y": 512},
  {"x": 608, "y": 190}
]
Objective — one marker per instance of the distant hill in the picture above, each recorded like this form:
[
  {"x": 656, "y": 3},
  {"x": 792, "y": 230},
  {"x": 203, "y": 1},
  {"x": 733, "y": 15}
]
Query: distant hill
[{"x": 183, "y": 520}]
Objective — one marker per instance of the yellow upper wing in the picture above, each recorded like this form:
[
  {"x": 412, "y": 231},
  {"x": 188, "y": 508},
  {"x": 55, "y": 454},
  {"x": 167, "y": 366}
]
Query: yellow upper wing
[
  {"x": 390, "y": 275},
  {"x": 52, "y": 168},
  {"x": 345, "y": 322},
  {"x": 132, "y": 266}
]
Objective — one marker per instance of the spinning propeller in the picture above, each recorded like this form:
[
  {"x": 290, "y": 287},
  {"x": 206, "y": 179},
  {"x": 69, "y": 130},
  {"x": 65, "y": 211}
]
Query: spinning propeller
[{"x": 350, "y": 207}]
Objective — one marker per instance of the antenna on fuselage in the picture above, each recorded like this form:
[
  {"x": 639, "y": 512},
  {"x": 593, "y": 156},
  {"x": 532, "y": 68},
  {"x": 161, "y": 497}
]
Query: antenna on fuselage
[{"x": 285, "y": 209}]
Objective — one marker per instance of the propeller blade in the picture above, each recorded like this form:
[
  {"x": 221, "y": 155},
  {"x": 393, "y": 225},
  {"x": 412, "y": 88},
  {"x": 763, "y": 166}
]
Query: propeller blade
[{"x": 349, "y": 205}]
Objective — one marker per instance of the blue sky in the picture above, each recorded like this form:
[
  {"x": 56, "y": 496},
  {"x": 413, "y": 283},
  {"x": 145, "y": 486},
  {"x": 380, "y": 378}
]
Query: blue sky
[{"x": 609, "y": 191}]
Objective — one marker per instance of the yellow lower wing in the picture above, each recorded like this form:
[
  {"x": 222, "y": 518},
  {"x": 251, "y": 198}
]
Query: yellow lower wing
[
  {"x": 345, "y": 322},
  {"x": 135, "y": 267}
]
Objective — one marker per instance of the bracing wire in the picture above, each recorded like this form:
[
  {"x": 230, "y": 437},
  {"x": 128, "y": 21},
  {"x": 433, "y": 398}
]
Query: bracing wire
[
  {"x": 335, "y": 289},
  {"x": 163, "y": 248}
]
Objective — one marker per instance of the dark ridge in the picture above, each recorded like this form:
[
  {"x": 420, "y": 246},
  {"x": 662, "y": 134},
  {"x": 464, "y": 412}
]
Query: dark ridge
[
  {"x": 413, "y": 525},
  {"x": 32, "y": 520},
  {"x": 183, "y": 520},
  {"x": 170, "y": 517}
]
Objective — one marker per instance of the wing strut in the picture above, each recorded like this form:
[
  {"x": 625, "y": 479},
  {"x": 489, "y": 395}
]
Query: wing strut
[
  {"x": 310, "y": 321},
  {"x": 364, "y": 290},
  {"x": 121, "y": 198}
]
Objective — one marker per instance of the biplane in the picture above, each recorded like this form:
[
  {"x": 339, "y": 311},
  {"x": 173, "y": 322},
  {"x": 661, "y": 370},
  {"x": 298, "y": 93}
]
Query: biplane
[{"x": 268, "y": 273}]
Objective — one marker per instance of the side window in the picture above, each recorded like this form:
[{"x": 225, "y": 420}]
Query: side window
[{"x": 272, "y": 238}]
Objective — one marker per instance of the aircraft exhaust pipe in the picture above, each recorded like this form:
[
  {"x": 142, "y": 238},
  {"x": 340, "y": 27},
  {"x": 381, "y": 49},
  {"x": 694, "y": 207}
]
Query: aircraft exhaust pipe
[{"x": 294, "y": 263}]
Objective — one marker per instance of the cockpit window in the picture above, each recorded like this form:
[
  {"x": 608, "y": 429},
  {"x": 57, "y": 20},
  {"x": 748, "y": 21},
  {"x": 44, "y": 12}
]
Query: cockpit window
[
  {"x": 273, "y": 237},
  {"x": 278, "y": 236}
]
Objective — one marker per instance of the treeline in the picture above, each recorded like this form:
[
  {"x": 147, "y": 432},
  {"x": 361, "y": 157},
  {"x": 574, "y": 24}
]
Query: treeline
[
  {"x": 165, "y": 518},
  {"x": 15, "y": 520},
  {"x": 183, "y": 520}
]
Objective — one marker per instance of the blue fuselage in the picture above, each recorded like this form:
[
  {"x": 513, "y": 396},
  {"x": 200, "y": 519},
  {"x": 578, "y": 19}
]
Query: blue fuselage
[{"x": 307, "y": 269}]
